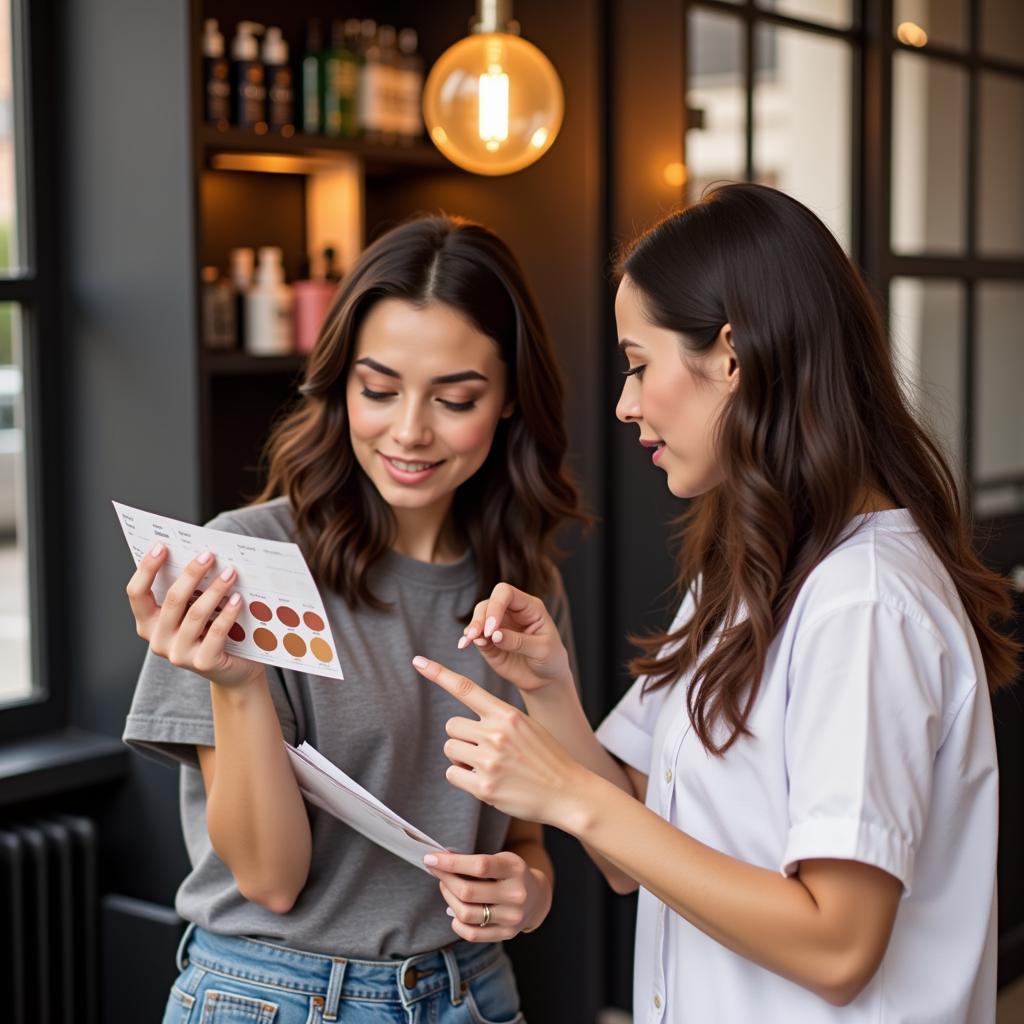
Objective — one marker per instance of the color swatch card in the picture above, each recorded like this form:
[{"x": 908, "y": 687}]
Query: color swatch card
[
  {"x": 282, "y": 621},
  {"x": 324, "y": 784}
]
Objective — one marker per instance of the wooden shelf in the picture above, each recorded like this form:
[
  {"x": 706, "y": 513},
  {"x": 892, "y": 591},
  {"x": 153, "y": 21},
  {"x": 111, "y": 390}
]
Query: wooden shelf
[
  {"x": 232, "y": 363},
  {"x": 378, "y": 159}
]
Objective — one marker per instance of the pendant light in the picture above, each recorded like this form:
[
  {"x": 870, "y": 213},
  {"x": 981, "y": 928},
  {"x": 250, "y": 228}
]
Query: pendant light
[{"x": 493, "y": 102}]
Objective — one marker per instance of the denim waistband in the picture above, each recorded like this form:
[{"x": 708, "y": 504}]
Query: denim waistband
[{"x": 332, "y": 978}]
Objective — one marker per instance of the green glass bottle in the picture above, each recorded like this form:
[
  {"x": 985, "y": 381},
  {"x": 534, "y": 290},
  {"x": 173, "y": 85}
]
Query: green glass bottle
[{"x": 341, "y": 85}]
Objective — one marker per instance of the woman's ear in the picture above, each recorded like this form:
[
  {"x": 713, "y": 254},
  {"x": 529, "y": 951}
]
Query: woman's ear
[
  {"x": 725, "y": 344},
  {"x": 509, "y": 409}
]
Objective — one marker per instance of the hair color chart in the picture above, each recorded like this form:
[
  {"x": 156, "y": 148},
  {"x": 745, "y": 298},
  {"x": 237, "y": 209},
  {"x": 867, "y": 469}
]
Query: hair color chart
[{"x": 282, "y": 621}]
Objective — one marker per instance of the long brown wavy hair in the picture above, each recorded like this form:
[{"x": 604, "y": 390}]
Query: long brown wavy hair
[
  {"x": 818, "y": 416},
  {"x": 509, "y": 509}
]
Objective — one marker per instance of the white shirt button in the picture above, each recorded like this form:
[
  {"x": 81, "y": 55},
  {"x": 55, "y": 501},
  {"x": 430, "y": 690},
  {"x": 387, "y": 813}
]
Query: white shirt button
[
  {"x": 668, "y": 774},
  {"x": 657, "y": 1001}
]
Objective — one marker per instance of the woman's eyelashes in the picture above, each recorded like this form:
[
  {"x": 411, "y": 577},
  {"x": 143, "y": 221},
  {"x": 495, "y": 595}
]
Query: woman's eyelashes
[
  {"x": 377, "y": 396},
  {"x": 453, "y": 406},
  {"x": 636, "y": 371}
]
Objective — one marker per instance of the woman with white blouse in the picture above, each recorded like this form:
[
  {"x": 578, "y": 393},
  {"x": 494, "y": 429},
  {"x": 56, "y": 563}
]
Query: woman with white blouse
[{"x": 802, "y": 782}]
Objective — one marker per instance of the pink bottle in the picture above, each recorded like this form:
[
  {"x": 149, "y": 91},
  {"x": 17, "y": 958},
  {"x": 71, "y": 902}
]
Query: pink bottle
[{"x": 313, "y": 300}]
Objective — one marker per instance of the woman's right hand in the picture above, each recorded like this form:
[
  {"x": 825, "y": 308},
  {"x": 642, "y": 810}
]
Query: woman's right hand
[
  {"x": 189, "y": 633},
  {"x": 518, "y": 638}
]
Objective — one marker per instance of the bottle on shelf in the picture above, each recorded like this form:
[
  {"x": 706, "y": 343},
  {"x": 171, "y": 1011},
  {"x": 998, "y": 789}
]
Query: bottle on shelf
[
  {"x": 216, "y": 77},
  {"x": 241, "y": 267},
  {"x": 280, "y": 85},
  {"x": 341, "y": 85},
  {"x": 390, "y": 104},
  {"x": 249, "y": 78},
  {"x": 218, "y": 310},
  {"x": 372, "y": 84},
  {"x": 269, "y": 330},
  {"x": 331, "y": 270},
  {"x": 409, "y": 87},
  {"x": 313, "y": 298},
  {"x": 313, "y": 79}
]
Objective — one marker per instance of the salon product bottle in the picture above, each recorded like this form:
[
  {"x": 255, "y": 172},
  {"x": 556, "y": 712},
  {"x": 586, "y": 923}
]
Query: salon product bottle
[
  {"x": 341, "y": 84},
  {"x": 216, "y": 77},
  {"x": 280, "y": 85},
  {"x": 409, "y": 87},
  {"x": 268, "y": 308},
  {"x": 312, "y": 79},
  {"x": 331, "y": 270},
  {"x": 373, "y": 81},
  {"x": 241, "y": 269},
  {"x": 390, "y": 103},
  {"x": 250, "y": 86},
  {"x": 218, "y": 307},
  {"x": 313, "y": 297}
]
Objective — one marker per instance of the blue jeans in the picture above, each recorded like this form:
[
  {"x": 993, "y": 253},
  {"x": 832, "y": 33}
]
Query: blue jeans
[{"x": 230, "y": 980}]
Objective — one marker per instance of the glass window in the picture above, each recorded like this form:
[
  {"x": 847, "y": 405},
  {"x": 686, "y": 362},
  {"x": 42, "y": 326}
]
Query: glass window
[
  {"x": 802, "y": 121},
  {"x": 1002, "y": 30},
  {"x": 716, "y": 101},
  {"x": 999, "y": 381},
  {"x": 828, "y": 12},
  {"x": 16, "y": 677},
  {"x": 936, "y": 22},
  {"x": 8, "y": 167},
  {"x": 1001, "y": 165},
  {"x": 929, "y": 146},
  {"x": 926, "y": 322}
]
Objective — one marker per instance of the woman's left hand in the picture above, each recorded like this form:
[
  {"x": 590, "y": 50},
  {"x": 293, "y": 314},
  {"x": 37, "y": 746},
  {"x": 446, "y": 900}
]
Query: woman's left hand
[
  {"x": 499, "y": 889},
  {"x": 505, "y": 758}
]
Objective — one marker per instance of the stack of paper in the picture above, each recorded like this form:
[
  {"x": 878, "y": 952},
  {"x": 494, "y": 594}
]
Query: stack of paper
[{"x": 324, "y": 784}]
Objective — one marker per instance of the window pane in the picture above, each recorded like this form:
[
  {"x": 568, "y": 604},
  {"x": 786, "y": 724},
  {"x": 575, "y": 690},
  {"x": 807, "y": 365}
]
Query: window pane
[
  {"x": 802, "y": 121},
  {"x": 716, "y": 135},
  {"x": 999, "y": 371},
  {"x": 16, "y": 676},
  {"x": 9, "y": 257},
  {"x": 942, "y": 22},
  {"x": 1001, "y": 166},
  {"x": 926, "y": 322},
  {"x": 826, "y": 12},
  {"x": 1002, "y": 29},
  {"x": 929, "y": 146}
]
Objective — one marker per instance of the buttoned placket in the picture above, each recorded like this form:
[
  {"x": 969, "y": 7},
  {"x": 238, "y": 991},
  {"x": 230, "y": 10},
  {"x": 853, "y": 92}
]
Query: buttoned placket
[{"x": 666, "y": 801}]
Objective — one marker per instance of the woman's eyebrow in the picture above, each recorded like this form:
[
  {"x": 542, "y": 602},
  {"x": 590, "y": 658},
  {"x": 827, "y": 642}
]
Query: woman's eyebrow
[
  {"x": 628, "y": 343},
  {"x": 447, "y": 378}
]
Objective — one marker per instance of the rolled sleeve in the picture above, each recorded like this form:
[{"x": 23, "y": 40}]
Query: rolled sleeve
[{"x": 864, "y": 722}]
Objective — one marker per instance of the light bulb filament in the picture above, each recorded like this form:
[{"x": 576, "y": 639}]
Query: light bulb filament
[{"x": 493, "y": 124}]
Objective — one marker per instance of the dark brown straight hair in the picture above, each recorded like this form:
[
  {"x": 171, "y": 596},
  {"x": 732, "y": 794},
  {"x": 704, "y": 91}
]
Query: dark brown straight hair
[
  {"x": 511, "y": 506},
  {"x": 818, "y": 416}
]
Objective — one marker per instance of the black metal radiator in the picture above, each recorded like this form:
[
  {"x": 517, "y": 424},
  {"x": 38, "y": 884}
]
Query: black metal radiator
[{"x": 48, "y": 921}]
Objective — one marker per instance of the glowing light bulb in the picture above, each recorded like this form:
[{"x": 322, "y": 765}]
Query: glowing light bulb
[
  {"x": 494, "y": 107},
  {"x": 493, "y": 103}
]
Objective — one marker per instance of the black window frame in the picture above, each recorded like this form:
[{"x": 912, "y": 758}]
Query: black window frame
[
  {"x": 34, "y": 288},
  {"x": 873, "y": 43}
]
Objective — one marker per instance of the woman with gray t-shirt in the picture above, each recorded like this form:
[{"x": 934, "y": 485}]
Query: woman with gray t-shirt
[{"x": 422, "y": 464}]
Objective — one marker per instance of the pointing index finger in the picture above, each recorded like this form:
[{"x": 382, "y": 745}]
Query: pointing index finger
[{"x": 476, "y": 698}]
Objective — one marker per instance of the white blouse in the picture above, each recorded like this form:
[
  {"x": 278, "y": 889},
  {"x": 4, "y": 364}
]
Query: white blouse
[{"x": 872, "y": 741}]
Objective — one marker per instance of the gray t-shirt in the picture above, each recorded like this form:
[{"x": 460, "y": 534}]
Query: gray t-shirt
[{"x": 383, "y": 725}]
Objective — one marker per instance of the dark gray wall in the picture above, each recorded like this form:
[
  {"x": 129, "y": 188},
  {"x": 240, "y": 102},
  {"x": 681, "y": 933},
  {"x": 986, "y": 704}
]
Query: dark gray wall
[{"x": 128, "y": 314}]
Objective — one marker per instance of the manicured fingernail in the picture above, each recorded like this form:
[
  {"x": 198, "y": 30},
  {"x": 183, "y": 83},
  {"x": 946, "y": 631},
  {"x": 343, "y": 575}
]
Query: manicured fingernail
[
  {"x": 449, "y": 911},
  {"x": 227, "y": 574},
  {"x": 480, "y": 642},
  {"x": 235, "y": 599},
  {"x": 419, "y": 661},
  {"x": 204, "y": 558},
  {"x": 489, "y": 625},
  {"x": 158, "y": 550},
  {"x": 463, "y": 642},
  {"x": 430, "y": 859},
  {"x": 497, "y": 636}
]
